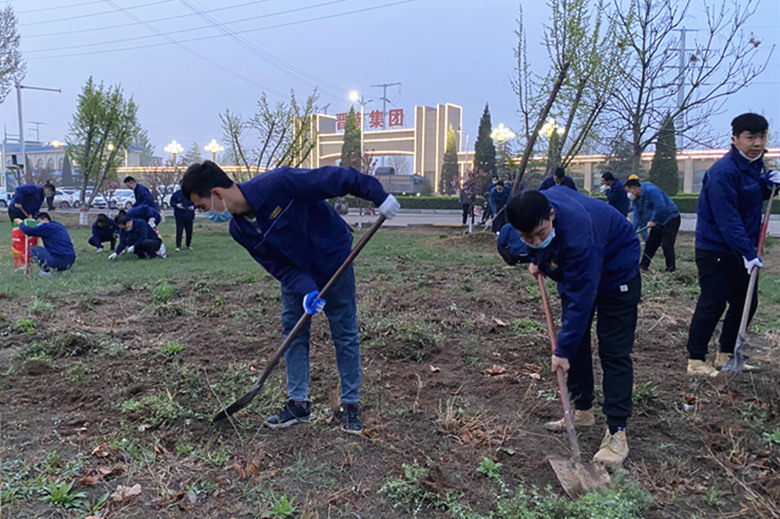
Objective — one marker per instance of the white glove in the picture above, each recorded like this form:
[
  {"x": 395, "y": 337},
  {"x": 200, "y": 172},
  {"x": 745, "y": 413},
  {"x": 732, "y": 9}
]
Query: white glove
[
  {"x": 130, "y": 249},
  {"x": 152, "y": 222},
  {"x": 113, "y": 255},
  {"x": 180, "y": 206},
  {"x": 773, "y": 176},
  {"x": 389, "y": 207},
  {"x": 751, "y": 264},
  {"x": 603, "y": 188}
]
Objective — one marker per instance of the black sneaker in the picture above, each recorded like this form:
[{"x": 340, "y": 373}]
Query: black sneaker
[
  {"x": 350, "y": 419},
  {"x": 290, "y": 414}
]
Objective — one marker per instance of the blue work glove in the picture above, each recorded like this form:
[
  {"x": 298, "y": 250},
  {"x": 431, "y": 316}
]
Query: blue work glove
[
  {"x": 313, "y": 304},
  {"x": 751, "y": 264}
]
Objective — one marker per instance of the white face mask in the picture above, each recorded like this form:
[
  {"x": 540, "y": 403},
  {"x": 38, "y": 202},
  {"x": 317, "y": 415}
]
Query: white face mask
[
  {"x": 631, "y": 196},
  {"x": 748, "y": 158},
  {"x": 603, "y": 188}
]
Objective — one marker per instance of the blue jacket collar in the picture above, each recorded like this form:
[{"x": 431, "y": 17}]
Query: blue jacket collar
[{"x": 744, "y": 164}]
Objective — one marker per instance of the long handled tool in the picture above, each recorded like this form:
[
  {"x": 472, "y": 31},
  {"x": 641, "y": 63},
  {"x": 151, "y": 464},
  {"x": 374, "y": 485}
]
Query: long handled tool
[
  {"x": 737, "y": 361},
  {"x": 302, "y": 322},
  {"x": 576, "y": 477}
]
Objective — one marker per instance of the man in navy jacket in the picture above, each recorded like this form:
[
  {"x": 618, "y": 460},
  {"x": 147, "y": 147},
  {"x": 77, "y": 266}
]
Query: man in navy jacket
[
  {"x": 591, "y": 250},
  {"x": 142, "y": 194},
  {"x": 655, "y": 210},
  {"x": 498, "y": 199},
  {"x": 728, "y": 223},
  {"x": 103, "y": 230},
  {"x": 138, "y": 237},
  {"x": 184, "y": 213},
  {"x": 281, "y": 217},
  {"x": 616, "y": 194},
  {"x": 511, "y": 247},
  {"x": 57, "y": 252},
  {"x": 559, "y": 178},
  {"x": 143, "y": 212},
  {"x": 28, "y": 198}
]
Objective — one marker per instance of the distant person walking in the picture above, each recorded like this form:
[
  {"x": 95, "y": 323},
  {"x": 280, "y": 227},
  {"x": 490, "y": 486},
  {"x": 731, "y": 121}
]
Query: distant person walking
[
  {"x": 468, "y": 195},
  {"x": 498, "y": 199}
]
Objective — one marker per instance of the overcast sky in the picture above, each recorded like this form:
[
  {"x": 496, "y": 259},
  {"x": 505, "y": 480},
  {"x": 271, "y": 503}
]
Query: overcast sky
[{"x": 185, "y": 61}]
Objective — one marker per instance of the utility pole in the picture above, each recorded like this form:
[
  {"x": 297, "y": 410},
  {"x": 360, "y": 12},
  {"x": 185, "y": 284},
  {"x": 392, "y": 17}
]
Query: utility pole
[
  {"x": 682, "y": 64},
  {"x": 385, "y": 100},
  {"x": 37, "y": 129}
]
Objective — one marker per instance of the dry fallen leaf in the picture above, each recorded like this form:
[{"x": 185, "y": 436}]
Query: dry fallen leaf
[
  {"x": 241, "y": 472},
  {"x": 124, "y": 494},
  {"x": 433, "y": 369},
  {"x": 103, "y": 450},
  {"x": 253, "y": 467},
  {"x": 100, "y": 473},
  {"x": 499, "y": 321},
  {"x": 495, "y": 370}
]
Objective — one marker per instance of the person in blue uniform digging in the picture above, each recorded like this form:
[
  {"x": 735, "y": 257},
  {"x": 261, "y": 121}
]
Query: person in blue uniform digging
[
  {"x": 104, "y": 230},
  {"x": 57, "y": 252},
  {"x": 28, "y": 199},
  {"x": 592, "y": 252},
  {"x": 281, "y": 217},
  {"x": 139, "y": 238}
]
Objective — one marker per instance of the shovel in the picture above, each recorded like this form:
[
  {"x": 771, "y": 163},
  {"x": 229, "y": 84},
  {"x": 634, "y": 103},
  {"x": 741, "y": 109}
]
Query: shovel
[
  {"x": 303, "y": 321},
  {"x": 576, "y": 477},
  {"x": 737, "y": 361}
]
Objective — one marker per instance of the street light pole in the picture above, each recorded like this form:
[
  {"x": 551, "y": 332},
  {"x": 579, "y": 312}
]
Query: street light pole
[
  {"x": 19, "y": 88},
  {"x": 214, "y": 147},
  {"x": 355, "y": 97}
]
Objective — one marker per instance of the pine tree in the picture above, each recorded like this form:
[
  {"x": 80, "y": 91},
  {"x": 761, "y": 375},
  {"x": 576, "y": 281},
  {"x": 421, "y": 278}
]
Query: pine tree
[
  {"x": 350, "y": 150},
  {"x": 664, "y": 171},
  {"x": 484, "y": 149},
  {"x": 67, "y": 173},
  {"x": 449, "y": 167}
]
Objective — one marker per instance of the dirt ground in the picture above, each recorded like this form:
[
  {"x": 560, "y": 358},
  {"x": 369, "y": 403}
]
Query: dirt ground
[{"x": 456, "y": 369}]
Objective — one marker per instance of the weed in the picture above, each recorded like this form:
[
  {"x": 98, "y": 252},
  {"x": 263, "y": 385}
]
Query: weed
[
  {"x": 526, "y": 325},
  {"x": 79, "y": 373},
  {"x": 402, "y": 339},
  {"x": 551, "y": 395},
  {"x": 183, "y": 448},
  {"x": 25, "y": 325},
  {"x": 282, "y": 508},
  {"x": 163, "y": 293},
  {"x": 754, "y": 413},
  {"x": 773, "y": 437},
  {"x": 464, "y": 287},
  {"x": 61, "y": 493},
  {"x": 170, "y": 309},
  {"x": 172, "y": 348},
  {"x": 711, "y": 497},
  {"x": 490, "y": 468},
  {"x": 40, "y": 307},
  {"x": 250, "y": 277},
  {"x": 38, "y": 362},
  {"x": 153, "y": 407},
  {"x": 407, "y": 491},
  {"x": 645, "y": 393}
]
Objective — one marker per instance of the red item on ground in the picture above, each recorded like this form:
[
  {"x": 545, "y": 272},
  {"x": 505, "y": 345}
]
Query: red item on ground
[{"x": 17, "y": 247}]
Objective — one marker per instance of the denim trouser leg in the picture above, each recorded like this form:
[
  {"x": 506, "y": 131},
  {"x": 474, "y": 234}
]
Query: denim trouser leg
[
  {"x": 47, "y": 261},
  {"x": 341, "y": 311},
  {"x": 296, "y": 358}
]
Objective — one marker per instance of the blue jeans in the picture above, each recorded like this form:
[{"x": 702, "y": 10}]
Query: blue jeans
[
  {"x": 342, "y": 315},
  {"x": 47, "y": 261}
]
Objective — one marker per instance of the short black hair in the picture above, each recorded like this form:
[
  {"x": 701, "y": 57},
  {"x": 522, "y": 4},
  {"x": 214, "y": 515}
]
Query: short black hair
[
  {"x": 527, "y": 211},
  {"x": 201, "y": 178},
  {"x": 494, "y": 175},
  {"x": 560, "y": 172},
  {"x": 753, "y": 123},
  {"x": 121, "y": 219},
  {"x": 500, "y": 183},
  {"x": 608, "y": 176},
  {"x": 49, "y": 186},
  {"x": 43, "y": 215},
  {"x": 128, "y": 179},
  {"x": 102, "y": 218},
  {"x": 632, "y": 182}
]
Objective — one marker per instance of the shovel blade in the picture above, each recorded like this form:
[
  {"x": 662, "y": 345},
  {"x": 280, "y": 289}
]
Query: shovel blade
[
  {"x": 728, "y": 372},
  {"x": 578, "y": 478}
]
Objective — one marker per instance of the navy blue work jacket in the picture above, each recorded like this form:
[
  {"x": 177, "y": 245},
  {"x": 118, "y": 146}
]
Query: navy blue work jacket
[
  {"x": 144, "y": 212},
  {"x": 653, "y": 205},
  {"x": 143, "y": 196},
  {"x": 30, "y": 196},
  {"x": 595, "y": 250},
  {"x": 101, "y": 234},
  {"x": 296, "y": 235},
  {"x": 185, "y": 213},
  {"x": 617, "y": 197},
  {"x": 728, "y": 214},
  {"x": 55, "y": 236},
  {"x": 550, "y": 182},
  {"x": 139, "y": 232}
]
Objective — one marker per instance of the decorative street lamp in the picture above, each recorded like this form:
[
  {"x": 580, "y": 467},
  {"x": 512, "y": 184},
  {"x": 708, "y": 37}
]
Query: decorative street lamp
[
  {"x": 173, "y": 147},
  {"x": 500, "y": 135},
  {"x": 355, "y": 97},
  {"x": 550, "y": 127},
  {"x": 214, "y": 147}
]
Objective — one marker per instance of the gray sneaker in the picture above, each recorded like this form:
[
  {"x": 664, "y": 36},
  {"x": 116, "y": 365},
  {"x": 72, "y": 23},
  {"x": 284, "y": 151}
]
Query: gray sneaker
[
  {"x": 290, "y": 414},
  {"x": 350, "y": 419}
]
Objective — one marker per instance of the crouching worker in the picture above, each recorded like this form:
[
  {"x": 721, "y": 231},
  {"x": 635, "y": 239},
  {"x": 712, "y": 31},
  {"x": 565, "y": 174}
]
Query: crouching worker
[
  {"x": 511, "y": 247},
  {"x": 104, "y": 230},
  {"x": 592, "y": 251},
  {"x": 282, "y": 218},
  {"x": 57, "y": 252},
  {"x": 138, "y": 237}
]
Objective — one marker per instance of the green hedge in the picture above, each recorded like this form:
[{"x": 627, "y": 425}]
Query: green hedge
[{"x": 686, "y": 202}]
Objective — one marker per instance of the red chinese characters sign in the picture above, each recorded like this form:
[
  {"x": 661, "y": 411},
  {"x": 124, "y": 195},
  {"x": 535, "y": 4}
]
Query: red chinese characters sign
[{"x": 395, "y": 118}]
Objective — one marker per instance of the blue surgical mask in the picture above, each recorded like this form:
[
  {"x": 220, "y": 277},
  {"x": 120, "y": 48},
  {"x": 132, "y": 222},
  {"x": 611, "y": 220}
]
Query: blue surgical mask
[
  {"x": 218, "y": 217},
  {"x": 545, "y": 243},
  {"x": 494, "y": 182}
]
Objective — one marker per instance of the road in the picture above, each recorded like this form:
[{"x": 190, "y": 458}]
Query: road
[{"x": 446, "y": 218}]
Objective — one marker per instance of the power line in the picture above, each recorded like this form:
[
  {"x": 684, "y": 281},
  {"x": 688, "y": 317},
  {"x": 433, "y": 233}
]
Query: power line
[
  {"x": 130, "y": 24},
  {"x": 201, "y": 38},
  {"x": 58, "y": 7},
  {"x": 100, "y": 13}
]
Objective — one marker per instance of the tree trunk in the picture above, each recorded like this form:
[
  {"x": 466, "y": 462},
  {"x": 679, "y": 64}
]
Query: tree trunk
[{"x": 539, "y": 123}]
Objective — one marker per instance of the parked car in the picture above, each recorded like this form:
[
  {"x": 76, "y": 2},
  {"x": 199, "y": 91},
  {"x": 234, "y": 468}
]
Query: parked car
[
  {"x": 166, "y": 202},
  {"x": 64, "y": 199},
  {"x": 3, "y": 198},
  {"x": 99, "y": 202},
  {"x": 124, "y": 198}
]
